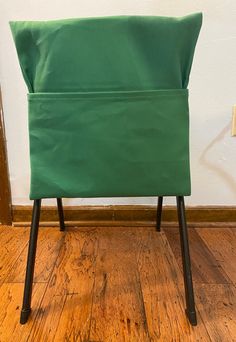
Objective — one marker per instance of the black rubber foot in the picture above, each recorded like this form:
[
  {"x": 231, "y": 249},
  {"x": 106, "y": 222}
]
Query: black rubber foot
[
  {"x": 158, "y": 229},
  {"x": 24, "y": 316},
  {"x": 192, "y": 317}
]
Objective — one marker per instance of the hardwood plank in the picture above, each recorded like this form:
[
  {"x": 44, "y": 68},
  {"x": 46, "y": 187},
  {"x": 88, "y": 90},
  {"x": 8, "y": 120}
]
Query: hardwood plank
[
  {"x": 205, "y": 268},
  {"x": 118, "y": 310},
  {"x": 74, "y": 321},
  {"x": 70, "y": 290},
  {"x": 12, "y": 243},
  {"x": 163, "y": 292},
  {"x": 49, "y": 243},
  {"x": 10, "y": 306},
  {"x": 222, "y": 244},
  {"x": 217, "y": 306},
  {"x": 3, "y": 228},
  {"x": 138, "y": 293}
]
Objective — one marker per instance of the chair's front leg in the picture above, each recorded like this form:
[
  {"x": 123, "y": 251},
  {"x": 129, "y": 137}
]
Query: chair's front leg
[
  {"x": 188, "y": 284},
  {"x": 26, "y": 307},
  {"x": 159, "y": 212},
  {"x": 60, "y": 214}
]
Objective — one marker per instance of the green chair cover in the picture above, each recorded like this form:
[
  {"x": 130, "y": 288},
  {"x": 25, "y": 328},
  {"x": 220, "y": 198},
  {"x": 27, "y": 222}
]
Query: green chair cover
[{"x": 108, "y": 104}]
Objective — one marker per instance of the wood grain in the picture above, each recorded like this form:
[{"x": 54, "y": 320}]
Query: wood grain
[
  {"x": 49, "y": 244},
  {"x": 205, "y": 268},
  {"x": 12, "y": 243},
  {"x": 217, "y": 306},
  {"x": 163, "y": 292},
  {"x": 10, "y": 304},
  {"x": 118, "y": 310},
  {"x": 118, "y": 284},
  {"x": 70, "y": 290},
  {"x": 222, "y": 243}
]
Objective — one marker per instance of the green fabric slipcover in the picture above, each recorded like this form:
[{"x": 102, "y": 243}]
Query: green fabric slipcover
[{"x": 108, "y": 104}]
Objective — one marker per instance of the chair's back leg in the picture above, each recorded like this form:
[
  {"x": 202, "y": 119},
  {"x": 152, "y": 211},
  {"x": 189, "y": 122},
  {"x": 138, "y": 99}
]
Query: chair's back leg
[
  {"x": 60, "y": 214},
  {"x": 188, "y": 284},
  {"x": 159, "y": 212},
  {"x": 26, "y": 307}
]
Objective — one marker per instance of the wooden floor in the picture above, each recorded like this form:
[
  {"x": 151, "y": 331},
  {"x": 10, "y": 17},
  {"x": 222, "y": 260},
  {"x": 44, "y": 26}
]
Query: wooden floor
[{"x": 118, "y": 284}]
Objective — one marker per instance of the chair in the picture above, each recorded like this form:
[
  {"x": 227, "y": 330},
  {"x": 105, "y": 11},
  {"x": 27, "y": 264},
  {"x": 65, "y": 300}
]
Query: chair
[{"x": 108, "y": 115}]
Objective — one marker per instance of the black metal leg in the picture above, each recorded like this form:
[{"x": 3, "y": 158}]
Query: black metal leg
[
  {"x": 26, "y": 307},
  {"x": 61, "y": 214},
  {"x": 188, "y": 284},
  {"x": 159, "y": 212}
]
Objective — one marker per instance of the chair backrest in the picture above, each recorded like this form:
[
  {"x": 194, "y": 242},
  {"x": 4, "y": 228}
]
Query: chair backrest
[
  {"x": 111, "y": 53},
  {"x": 108, "y": 105}
]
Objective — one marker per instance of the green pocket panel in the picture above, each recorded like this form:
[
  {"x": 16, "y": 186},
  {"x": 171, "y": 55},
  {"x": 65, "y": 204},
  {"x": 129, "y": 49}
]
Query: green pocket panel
[{"x": 109, "y": 144}]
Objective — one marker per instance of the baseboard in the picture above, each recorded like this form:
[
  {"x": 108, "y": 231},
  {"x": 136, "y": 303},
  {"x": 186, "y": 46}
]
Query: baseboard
[{"x": 127, "y": 215}]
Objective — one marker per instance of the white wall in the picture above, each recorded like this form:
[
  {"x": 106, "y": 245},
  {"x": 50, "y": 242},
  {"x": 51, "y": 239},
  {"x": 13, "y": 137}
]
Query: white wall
[{"x": 212, "y": 91}]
